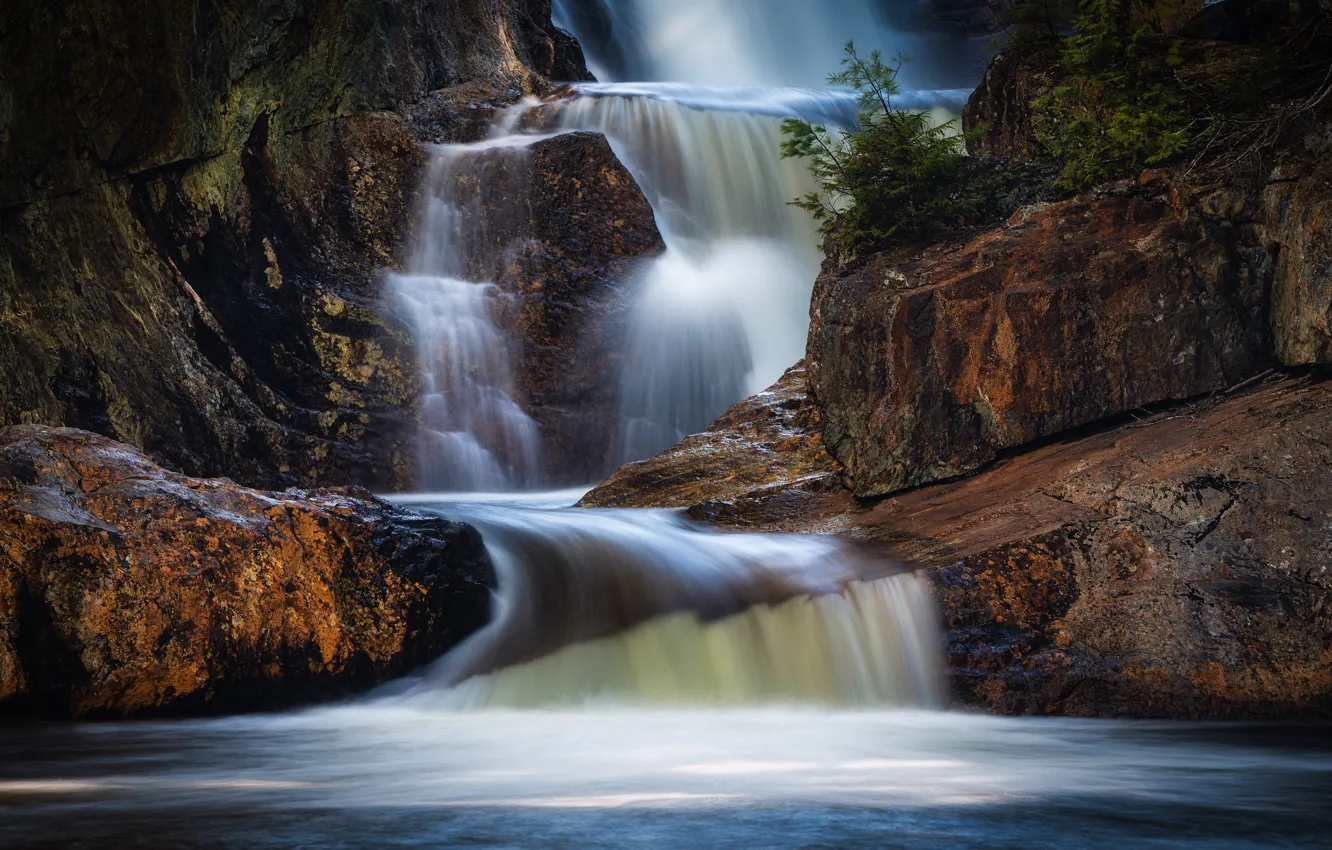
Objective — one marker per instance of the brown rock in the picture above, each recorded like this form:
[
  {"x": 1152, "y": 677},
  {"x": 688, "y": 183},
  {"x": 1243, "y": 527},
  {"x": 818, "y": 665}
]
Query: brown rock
[
  {"x": 762, "y": 464},
  {"x": 126, "y": 589},
  {"x": 928, "y": 367}
]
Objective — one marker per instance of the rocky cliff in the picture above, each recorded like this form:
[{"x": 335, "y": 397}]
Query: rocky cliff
[
  {"x": 198, "y": 197},
  {"x": 126, "y": 589}
]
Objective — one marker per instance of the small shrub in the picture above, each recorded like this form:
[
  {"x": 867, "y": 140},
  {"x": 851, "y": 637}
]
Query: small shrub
[{"x": 896, "y": 176}]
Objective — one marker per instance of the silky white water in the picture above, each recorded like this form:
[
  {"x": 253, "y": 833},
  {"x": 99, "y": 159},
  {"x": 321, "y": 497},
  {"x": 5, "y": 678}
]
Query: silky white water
[
  {"x": 473, "y": 434},
  {"x": 645, "y": 608},
  {"x": 760, "y": 42},
  {"x": 724, "y": 311},
  {"x": 388, "y": 774}
]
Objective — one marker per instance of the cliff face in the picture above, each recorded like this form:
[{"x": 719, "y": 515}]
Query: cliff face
[
  {"x": 927, "y": 366},
  {"x": 198, "y": 198}
]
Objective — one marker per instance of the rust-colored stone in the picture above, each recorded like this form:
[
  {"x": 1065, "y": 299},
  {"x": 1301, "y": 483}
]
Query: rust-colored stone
[
  {"x": 927, "y": 367},
  {"x": 766, "y": 447},
  {"x": 126, "y": 589}
]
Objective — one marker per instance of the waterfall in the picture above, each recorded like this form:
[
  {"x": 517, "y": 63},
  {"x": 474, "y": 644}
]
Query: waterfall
[
  {"x": 724, "y": 311},
  {"x": 473, "y": 434},
  {"x": 641, "y": 607},
  {"x": 763, "y": 42}
]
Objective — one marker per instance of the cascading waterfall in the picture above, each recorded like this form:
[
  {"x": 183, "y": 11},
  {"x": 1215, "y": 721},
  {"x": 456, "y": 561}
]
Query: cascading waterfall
[
  {"x": 724, "y": 311},
  {"x": 474, "y": 436},
  {"x": 719, "y": 316},
  {"x": 641, "y": 607}
]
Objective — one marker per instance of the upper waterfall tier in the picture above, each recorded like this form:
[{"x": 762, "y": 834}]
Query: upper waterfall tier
[{"x": 764, "y": 42}]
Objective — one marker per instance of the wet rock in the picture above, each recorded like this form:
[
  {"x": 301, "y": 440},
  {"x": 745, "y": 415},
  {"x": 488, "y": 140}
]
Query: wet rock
[
  {"x": 126, "y": 589},
  {"x": 198, "y": 201},
  {"x": 762, "y": 464},
  {"x": 927, "y": 366},
  {"x": 562, "y": 227},
  {"x": 1169, "y": 566}
]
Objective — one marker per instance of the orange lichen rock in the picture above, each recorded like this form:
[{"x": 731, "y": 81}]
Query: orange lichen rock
[{"x": 126, "y": 589}]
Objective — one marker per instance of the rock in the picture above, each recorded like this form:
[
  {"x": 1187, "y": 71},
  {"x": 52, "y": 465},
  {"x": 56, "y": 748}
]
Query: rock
[
  {"x": 128, "y": 590},
  {"x": 1174, "y": 566},
  {"x": 998, "y": 115},
  {"x": 1296, "y": 221},
  {"x": 752, "y": 466},
  {"x": 198, "y": 200},
  {"x": 562, "y": 226},
  {"x": 926, "y": 367}
]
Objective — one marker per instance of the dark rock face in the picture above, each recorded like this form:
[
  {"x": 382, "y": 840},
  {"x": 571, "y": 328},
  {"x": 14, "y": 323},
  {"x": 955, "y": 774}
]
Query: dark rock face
[
  {"x": 561, "y": 227},
  {"x": 196, "y": 204},
  {"x": 128, "y": 590},
  {"x": 1169, "y": 567},
  {"x": 927, "y": 368},
  {"x": 1296, "y": 217},
  {"x": 1000, "y": 108}
]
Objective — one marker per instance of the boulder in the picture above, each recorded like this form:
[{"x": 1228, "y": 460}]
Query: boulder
[
  {"x": 1170, "y": 566},
  {"x": 928, "y": 364},
  {"x": 762, "y": 464},
  {"x": 128, "y": 590}
]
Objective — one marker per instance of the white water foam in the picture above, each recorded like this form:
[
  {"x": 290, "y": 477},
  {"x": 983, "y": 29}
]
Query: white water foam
[{"x": 473, "y": 434}]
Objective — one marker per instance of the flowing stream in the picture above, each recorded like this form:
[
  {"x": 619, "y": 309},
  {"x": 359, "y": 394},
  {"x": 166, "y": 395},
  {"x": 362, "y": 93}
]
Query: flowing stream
[{"x": 645, "y": 682}]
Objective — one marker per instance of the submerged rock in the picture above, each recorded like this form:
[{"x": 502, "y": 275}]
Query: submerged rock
[
  {"x": 126, "y": 589},
  {"x": 1169, "y": 566}
]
